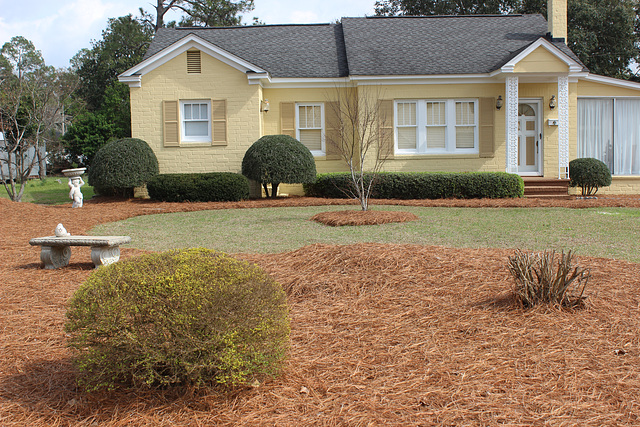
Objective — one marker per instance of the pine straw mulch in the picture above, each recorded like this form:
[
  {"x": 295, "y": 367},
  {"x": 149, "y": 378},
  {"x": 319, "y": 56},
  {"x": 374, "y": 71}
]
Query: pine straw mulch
[
  {"x": 354, "y": 217},
  {"x": 395, "y": 335}
]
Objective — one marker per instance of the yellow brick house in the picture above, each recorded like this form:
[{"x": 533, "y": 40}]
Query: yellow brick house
[{"x": 463, "y": 93}]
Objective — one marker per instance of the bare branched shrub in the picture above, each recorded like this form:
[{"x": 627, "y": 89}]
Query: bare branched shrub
[
  {"x": 359, "y": 132},
  {"x": 547, "y": 277}
]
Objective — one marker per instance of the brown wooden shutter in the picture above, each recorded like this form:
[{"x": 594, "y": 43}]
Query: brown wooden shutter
[
  {"x": 288, "y": 118},
  {"x": 171, "y": 123},
  {"x": 385, "y": 128},
  {"x": 219, "y": 122},
  {"x": 485, "y": 132},
  {"x": 332, "y": 130}
]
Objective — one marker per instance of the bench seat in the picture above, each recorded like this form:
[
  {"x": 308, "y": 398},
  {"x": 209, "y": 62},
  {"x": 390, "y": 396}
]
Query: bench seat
[{"x": 56, "y": 251}]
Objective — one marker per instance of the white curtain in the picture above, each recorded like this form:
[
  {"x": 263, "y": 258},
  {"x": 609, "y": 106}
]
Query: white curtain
[
  {"x": 627, "y": 137},
  {"x": 595, "y": 130}
]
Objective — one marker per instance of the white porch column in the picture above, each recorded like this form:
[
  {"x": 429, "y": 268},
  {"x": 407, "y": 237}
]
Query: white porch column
[
  {"x": 511, "y": 90},
  {"x": 563, "y": 127}
]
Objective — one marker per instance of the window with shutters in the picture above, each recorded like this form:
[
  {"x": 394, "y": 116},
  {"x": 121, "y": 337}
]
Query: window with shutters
[
  {"x": 196, "y": 121},
  {"x": 447, "y": 126},
  {"x": 310, "y": 127}
]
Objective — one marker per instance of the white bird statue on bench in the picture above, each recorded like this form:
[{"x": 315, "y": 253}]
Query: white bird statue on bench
[{"x": 61, "y": 231}]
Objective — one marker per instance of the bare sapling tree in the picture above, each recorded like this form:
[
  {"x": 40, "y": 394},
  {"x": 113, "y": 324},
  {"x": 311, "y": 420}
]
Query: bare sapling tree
[
  {"x": 31, "y": 99},
  {"x": 358, "y": 133}
]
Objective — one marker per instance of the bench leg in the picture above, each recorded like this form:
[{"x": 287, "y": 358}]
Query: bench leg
[
  {"x": 55, "y": 256},
  {"x": 104, "y": 255}
]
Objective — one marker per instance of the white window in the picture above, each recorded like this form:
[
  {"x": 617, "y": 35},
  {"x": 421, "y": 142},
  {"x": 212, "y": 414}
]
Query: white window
[
  {"x": 436, "y": 126},
  {"x": 310, "y": 127},
  {"x": 465, "y": 125},
  {"x": 407, "y": 127},
  {"x": 609, "y": 130},
  {"x": 196, "y": 121}
]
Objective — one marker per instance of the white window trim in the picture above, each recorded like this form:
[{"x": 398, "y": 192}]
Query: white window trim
[
  {"x": 192, "y": 139},
  {"x": 322, "y": 151},
  {"x": 450, "y": 124}
]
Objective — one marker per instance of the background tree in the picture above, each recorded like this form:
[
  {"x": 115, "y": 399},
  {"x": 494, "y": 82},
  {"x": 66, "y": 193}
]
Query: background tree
[
  {"x": 123, "y": 45},
  {"x": 444, "y": 7},
  {"x": 358, "y": 133},
  {"x": 106, "y": 114},
  {"x": 214, "y": 13},
  {"x": 32, "y": 96},
  {"x": 602, "y": 33},
  {"x": 161, "y": 7},
  {"x": 205, "y": 13}
]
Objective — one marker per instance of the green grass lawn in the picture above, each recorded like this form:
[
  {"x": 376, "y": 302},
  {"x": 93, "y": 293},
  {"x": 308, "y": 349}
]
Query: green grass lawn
[
  {"x": 601, "y": 232},
  {"x": 50, "y": 191}
]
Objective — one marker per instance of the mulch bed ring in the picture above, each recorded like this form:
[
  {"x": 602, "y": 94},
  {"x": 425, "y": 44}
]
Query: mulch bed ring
[{"x": 370, "y": 217}]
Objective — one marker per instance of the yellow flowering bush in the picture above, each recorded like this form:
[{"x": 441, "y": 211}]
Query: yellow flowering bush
[{"x": 195, "y": 317}]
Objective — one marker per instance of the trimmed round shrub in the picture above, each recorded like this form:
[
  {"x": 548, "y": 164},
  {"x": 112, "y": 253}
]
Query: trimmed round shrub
[
  {"x": 194, "y": 317},
  {"x": 276, "y": 159},
  {"x": 589, "y": 174},
  {"x": 199, "y": 187},
  {"x": 121, "y": 165}
]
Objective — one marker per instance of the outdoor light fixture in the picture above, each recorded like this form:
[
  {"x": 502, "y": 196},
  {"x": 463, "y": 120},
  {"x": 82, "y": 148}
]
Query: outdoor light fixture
[
  {"x": 499, "y": 102},
  {"x": 552, "y": 102},
  {"x": 264, "y": 106}
]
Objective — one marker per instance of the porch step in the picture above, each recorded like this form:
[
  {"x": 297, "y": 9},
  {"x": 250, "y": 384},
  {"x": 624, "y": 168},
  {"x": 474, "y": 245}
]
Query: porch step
[{"x": 546, "y": 187}]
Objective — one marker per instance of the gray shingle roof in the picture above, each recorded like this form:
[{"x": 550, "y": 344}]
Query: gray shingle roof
[
  {"x": 282, "y": 50},
  {"x": 438, "y": 45},
  {"x": 376, "y": 45}
]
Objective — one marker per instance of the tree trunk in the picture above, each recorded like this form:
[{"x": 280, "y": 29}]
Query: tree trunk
[{"x": 42, "y": 161}]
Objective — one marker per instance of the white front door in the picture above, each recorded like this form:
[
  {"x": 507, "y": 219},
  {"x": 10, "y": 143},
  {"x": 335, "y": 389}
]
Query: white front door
[{"x": 529, "y": 137}]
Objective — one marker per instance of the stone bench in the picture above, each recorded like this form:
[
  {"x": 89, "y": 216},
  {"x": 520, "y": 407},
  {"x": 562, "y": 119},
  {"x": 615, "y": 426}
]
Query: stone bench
[{"x": 56, "y": 251}]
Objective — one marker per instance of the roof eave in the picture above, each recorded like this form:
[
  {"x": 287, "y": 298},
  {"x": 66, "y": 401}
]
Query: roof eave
[{"x": 611, "y": 81}]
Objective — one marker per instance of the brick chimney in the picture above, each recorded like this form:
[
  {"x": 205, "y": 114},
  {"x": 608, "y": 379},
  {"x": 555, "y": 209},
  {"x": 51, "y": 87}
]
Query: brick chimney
[{"x": 557, "y": 18}]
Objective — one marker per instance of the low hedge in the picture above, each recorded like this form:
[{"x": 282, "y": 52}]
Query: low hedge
[
  {"x": 423, "y": 185},
  {"x": 199, "y": 187}
]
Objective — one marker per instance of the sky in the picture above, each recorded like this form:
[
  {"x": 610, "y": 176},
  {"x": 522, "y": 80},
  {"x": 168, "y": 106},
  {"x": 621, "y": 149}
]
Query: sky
[{"x": 59, "y": 29}]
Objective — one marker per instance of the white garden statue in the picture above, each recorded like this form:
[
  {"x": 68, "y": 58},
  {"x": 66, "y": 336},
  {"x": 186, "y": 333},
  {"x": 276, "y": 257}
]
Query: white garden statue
[
  {"x": 75, "y": 182},
  {"x": 74, "y": 191}
]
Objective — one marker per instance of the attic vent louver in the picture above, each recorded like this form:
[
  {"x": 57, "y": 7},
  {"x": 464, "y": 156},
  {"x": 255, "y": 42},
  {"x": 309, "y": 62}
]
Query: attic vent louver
[{"x": 193, "y": 62}]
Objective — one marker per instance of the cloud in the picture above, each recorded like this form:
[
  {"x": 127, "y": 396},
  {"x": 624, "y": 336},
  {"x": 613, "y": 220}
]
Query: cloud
[{"x": 60, "y": 32}]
